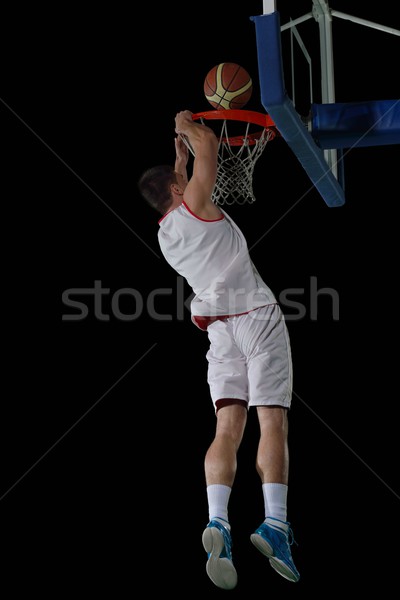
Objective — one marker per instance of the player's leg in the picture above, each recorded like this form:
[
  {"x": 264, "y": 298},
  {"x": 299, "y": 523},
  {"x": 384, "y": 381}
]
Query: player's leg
[
  {"x": 220, "y": 470},
  {"x": 274, "y": 536},
  {"x": 270, "y": 390},
  {"x": 220, "y": 461},
  {"x": 227, "y": 378},
  {"x": 273, "y": 453}
]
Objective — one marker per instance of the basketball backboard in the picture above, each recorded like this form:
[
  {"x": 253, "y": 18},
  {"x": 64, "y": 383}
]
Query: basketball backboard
[{"x": 319, "y": 138}]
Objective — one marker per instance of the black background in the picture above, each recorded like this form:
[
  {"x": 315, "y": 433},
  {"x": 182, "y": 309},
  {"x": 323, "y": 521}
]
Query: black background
[{"x": 106, "y": 420}]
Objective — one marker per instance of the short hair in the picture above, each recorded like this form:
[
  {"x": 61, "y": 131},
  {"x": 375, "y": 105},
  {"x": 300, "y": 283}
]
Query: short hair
[{"x": 154, "y": 185}]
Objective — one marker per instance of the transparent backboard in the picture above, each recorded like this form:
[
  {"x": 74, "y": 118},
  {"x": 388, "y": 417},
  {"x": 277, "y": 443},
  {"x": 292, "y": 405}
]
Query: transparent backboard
[{"x": 317, "y": 133}]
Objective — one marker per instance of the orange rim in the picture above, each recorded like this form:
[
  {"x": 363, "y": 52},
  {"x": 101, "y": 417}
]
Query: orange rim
[{"x": 248, "y": 116}]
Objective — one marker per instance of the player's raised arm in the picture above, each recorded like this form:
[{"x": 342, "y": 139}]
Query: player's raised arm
[
  {"x": 198, "y": 193},
  {"x": 181, "y": 158}
]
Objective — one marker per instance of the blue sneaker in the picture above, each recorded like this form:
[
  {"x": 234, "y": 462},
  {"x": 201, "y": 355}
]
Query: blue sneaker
[
  {"x": 217, "y": 543},
  {"x": 273, "y": 539}
]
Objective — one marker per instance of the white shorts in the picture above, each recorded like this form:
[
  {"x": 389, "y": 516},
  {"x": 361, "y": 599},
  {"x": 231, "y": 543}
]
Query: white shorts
[{"x": 249, "y": 359}]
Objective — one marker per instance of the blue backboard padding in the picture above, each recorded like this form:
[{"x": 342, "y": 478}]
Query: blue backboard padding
[
  {"x": 280, "y": 108},
  {"x": 356, "y": 124}
]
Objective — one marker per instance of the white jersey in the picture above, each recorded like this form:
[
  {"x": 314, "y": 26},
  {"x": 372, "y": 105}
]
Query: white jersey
[{"x": 214, "y": 259}]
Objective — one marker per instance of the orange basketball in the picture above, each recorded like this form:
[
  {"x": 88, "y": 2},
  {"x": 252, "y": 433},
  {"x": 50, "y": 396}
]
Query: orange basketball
[{"x": 228, "y": 86}]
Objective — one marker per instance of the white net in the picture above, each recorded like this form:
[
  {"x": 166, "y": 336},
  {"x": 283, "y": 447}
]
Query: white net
[
  {"x": 237, "y": 157},
  {"x": 236, "y": 167}
]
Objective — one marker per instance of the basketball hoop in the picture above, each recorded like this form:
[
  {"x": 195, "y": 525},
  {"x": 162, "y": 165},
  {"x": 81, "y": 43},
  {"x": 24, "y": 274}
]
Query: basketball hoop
[{"x": 238, "y": 154}]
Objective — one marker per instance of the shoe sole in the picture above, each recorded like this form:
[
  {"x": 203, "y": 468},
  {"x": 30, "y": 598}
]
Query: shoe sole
[
  {"x": 220, "y": 570},
  {"x": 276, "y": 563}
]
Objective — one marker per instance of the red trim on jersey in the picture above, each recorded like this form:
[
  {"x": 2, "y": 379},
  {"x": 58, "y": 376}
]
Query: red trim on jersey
[
  {"x": 200, "y": 218},
  {"x": 192, "y": 213},
  {"x": 203, "y": 322},
  {"x": 166, "y": 214}
]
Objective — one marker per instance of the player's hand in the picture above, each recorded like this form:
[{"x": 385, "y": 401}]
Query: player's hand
[{"x": 182, "y": 118}]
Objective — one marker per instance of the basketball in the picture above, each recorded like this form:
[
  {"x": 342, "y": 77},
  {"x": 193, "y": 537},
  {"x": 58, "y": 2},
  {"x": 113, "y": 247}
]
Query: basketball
[{"x": 228, "y": 86}]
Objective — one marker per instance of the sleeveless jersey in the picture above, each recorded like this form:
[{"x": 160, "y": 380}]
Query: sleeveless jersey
[{"x": 214, "y": 259}]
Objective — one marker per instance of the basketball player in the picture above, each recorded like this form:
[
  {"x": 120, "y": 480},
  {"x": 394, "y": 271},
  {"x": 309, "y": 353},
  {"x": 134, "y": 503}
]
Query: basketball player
[{"x": 249, "y": 359}]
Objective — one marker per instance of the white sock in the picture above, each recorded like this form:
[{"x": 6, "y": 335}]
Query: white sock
[
  {"x": 275, "y": 500},
  {"x": 218, "y": 498}
]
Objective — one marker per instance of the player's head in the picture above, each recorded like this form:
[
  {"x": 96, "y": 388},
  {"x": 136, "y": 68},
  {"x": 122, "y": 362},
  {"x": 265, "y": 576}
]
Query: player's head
[{"x": 156, "y": 186}]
